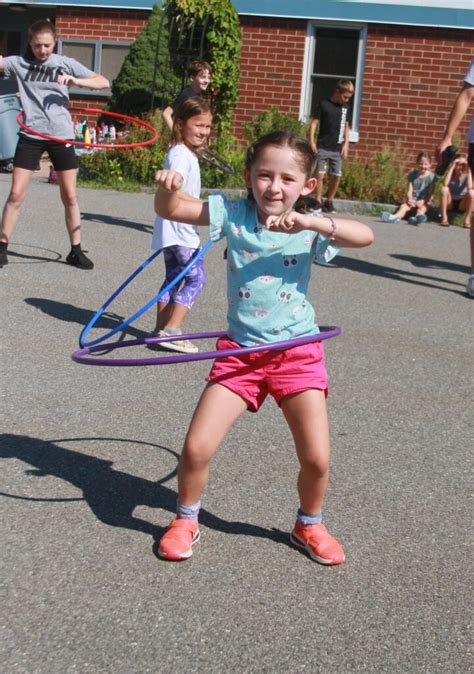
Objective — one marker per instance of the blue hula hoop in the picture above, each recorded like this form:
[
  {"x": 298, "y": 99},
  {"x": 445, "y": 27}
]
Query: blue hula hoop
[{"x": 137, "y": 314}]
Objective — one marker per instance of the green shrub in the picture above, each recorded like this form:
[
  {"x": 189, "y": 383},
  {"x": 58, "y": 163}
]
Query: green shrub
[
  {"x": 131, "y": 89},
  {"x": 121, "y": 168},
  {"x": 227, "y": 148},
  {"x": 380, "y": 179},
  {"x": 273, "y": 120},
  {"x": 221, "y": 48}
]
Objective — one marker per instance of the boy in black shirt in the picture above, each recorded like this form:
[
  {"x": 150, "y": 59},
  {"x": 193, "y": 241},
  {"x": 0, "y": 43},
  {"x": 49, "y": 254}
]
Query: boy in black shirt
[
  {"x": 333, "y": 140},
  {"x": 199, "y": 72}
]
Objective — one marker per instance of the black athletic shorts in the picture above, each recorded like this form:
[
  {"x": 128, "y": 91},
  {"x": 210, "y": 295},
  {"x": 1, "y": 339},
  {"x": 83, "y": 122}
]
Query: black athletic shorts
[
  {"x": 29, "y": 150},
  {"x": 471, "y": 157}
]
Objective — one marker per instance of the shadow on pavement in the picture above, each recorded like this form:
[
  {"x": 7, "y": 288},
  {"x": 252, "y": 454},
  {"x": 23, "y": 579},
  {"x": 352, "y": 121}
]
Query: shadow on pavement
[
  {"x": 372, "y": 269},
  {"x": 71, "y": 314},
  {"x": 427, "y": 263},
  {"x": 111, "y": 494},
  {"x": 121, "y": 222},
  {"x": 18, "y": 257}
]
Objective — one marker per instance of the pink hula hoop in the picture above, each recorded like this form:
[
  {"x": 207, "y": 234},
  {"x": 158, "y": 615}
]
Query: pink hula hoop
[{"x": 81, "y": 143}]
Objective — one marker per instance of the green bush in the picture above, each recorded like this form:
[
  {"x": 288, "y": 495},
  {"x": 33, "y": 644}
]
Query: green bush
[
  {"x": 273, "y": 120},
  {"x": 129, "y": 167},
  {"x": 380, "y": 179},
  {"x": 131, "y": 89},
  {"x": 222, "y": 45},
  {"x": 228, "y": 149}
]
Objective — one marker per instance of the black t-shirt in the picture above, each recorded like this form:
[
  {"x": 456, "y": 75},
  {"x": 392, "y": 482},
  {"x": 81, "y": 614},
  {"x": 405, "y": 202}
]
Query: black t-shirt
[
  {"x": 332, "y": 121},
  {"x": 188, "y": 92}
]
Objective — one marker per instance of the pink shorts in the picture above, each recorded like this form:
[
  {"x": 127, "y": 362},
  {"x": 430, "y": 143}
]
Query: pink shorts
[{"x": 254, "y": 375}]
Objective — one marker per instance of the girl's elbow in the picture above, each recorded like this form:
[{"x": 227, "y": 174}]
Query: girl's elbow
[
  {"x": 370, "y": 238},
  {"x": 366, "y": 238}
]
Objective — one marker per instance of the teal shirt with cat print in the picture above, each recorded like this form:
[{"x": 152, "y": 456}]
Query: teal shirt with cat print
[{"x": 267, "y": 274}]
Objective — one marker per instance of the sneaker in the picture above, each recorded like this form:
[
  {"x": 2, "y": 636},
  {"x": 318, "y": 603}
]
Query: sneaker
[
  {"x": 389, "y": 217},
  {"x": 315, "y": 206},
  {"x": 470, "y": 286},
  {"x": 3, "y": 258},
  {"x": 446, "y": 159},
  {"x": 79, "y": 260},
  {"x": 417, "y": 219},
  {"x": 328, "y": 207},
  {"x": 177, "y": 541},
  {"x": 181, "y": 345},
  {"x": 318, "y": 543}
]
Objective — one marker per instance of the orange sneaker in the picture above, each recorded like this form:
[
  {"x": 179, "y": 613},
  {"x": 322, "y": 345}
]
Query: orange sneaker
[
  {"x": 318, "y": 543},
  {"x": 177, "y": 541}
]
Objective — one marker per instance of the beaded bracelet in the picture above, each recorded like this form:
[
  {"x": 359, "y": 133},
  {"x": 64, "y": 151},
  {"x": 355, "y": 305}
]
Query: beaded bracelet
[{"x": 332, "y": 236}]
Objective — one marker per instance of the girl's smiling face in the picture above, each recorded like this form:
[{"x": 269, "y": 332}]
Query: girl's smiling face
[
  {"x": 42, "y": 45},
  {"x": 196, "y": 130},
  {"x": 277, "y": 179},
  {"x": 424, "y": 165}
]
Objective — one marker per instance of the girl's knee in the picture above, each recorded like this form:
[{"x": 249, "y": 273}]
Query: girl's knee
[
  {"x": 317, "y": 466},
  {"x": 195, "y": 452},
  {"x": 69, "y": 199},
  {"x": 16, "y": 197}
]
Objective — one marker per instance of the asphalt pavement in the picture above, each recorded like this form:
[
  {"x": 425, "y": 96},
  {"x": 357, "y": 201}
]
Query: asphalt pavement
[{"x": 89, "y": 459}]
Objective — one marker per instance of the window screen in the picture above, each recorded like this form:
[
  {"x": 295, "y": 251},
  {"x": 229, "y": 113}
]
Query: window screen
[
  {"x": 112, "y": 58},
  {"x": 82, "y": 52}
]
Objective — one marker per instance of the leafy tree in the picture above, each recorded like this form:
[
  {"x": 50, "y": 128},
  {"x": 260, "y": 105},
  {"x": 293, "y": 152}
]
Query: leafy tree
[
  {"x": 132, "y": 88},
  {"x": 222, "y": 41}
]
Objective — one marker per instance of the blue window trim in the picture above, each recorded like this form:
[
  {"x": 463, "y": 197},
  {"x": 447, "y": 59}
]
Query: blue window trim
[{"x": 412, "y": 14}]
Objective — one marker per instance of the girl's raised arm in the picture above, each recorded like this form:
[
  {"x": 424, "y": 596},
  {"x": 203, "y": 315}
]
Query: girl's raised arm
[
  {"x": 172, "y": 204},
  {"x": 447, "y": 178}
]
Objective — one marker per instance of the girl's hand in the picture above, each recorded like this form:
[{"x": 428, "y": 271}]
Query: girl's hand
[
  {"x": 290, "y": 222},
  {"x": 68, "y": 80},
  {"x": 168, "y": 180}
]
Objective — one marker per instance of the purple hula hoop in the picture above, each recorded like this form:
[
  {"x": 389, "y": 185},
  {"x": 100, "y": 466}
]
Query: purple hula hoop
[{"x": 83, "y": 355}]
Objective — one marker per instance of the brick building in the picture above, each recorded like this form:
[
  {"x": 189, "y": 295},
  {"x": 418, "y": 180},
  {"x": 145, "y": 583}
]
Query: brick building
[{"x": 407, "y": 59}]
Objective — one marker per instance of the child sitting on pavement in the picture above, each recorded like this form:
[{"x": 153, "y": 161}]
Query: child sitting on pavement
[
  {"x": 421, "y": 183},
  {"x": 457, "y": 192}
]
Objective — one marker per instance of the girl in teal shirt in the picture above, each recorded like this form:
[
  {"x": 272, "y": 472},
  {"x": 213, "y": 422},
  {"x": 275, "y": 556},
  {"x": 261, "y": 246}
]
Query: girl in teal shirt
[{"x": 271, "y": 247}]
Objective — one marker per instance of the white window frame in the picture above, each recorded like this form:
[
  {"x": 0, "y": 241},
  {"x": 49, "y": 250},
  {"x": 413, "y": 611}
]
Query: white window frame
[
  {"x": 97, "y": 44},
  {"x": 307, "y": 84}
]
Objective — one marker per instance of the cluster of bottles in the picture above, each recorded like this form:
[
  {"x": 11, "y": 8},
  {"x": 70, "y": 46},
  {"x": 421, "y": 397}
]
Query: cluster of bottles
[{"x": 90, "y": 134}]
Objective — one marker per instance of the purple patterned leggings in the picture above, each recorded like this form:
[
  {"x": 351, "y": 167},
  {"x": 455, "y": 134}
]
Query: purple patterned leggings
[{"x": 185, "y": 292}]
